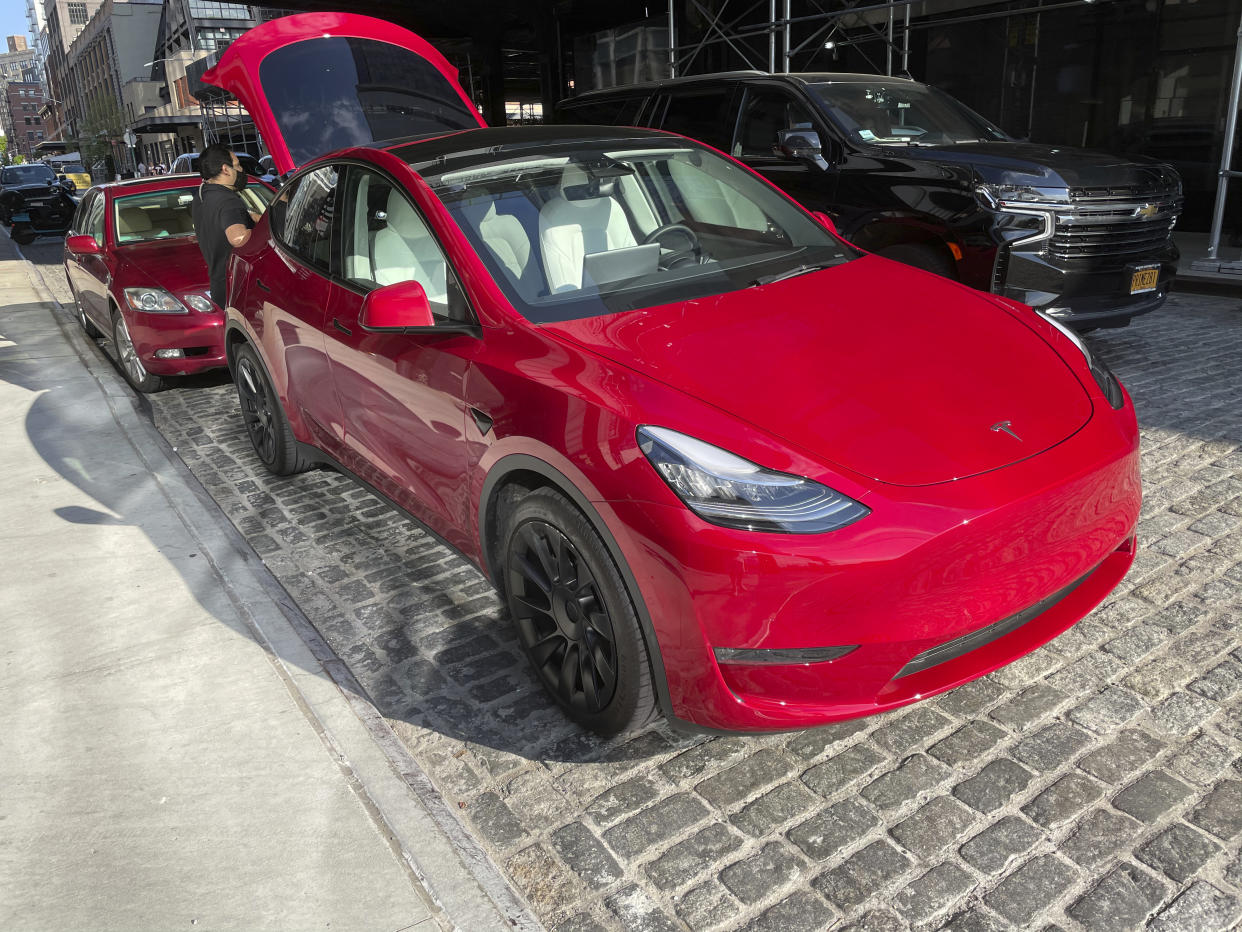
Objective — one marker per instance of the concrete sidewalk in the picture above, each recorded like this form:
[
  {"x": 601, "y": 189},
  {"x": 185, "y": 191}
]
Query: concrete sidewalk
[{"x": 176, "y": 750}]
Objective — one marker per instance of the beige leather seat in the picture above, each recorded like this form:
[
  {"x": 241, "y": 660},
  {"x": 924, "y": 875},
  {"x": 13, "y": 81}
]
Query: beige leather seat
[
  {"x": 571, "y": 228},
  {"x": 132, "y": 223},
  {"x": 406, "y": 251}
]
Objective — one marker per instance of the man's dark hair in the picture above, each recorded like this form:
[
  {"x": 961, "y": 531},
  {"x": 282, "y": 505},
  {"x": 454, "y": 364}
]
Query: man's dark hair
[{"x": 213, "y": 159}]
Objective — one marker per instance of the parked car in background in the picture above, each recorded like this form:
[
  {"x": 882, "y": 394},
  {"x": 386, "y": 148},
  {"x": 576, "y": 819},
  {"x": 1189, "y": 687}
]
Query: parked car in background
[
  {"x": 34, "y": 202},
  {"x": 715, "y": 459},
  {"x": 187, "y": 162},
  {"x": 909, "y": 173},
  {"x": 138, "y": 277},
  {"x": 74, "y": 173}
]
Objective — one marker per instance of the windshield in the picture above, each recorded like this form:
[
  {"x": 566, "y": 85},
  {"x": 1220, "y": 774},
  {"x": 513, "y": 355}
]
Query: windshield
[
  {"x": 336, "y": 92},
  {"x": 608, "y": 229},
  {"x": 154, "y": 215},
  {"x": 72, "y": 168},
  {"x": 26, "y": 174},
  {"x": 901, "y": 113}
]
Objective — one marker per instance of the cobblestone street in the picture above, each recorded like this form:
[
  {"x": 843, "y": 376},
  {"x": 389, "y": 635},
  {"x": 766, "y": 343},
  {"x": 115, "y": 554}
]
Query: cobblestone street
[{"x": 1093, "y": 785}]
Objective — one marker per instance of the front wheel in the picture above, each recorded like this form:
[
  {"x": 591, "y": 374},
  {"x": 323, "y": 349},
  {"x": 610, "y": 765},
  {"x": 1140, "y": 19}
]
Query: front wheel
[
  {"x": 23, "y": 234},
  {"x": 131, "y": 366},
  {"x": 266, "y": 424},
  {"x": 574, "y": 617},
  {"x": 921, "y": 256}
]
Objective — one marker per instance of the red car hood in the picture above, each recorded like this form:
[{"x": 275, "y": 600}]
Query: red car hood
[
  {"x": 913, "y": 384},
  {"x": 175, "y": 264}
]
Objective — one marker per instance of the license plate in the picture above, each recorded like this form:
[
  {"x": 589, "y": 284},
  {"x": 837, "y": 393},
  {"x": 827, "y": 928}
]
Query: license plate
[{"x": 1144, "y": 279}]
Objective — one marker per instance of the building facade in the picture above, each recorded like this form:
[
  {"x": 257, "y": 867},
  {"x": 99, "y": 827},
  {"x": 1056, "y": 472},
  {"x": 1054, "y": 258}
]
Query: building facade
[
  {"x": 65, "y": 21},
  {"x": 23, "y": 124}
]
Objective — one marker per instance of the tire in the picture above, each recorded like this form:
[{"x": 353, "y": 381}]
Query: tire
[
  {"x": 921, "y": 256},
  {"x": 23, "y": 234},
  {"x": 88, "y": 328},
  {"x": 266, "y": 423},
  {"x": 574, "y": 617},
  {"x": 127, "y": 359}
]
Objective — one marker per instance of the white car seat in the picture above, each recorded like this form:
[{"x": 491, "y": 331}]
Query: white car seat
[
  {"x": 406, "y": 251},
  {"x": 572, "y": 226}
]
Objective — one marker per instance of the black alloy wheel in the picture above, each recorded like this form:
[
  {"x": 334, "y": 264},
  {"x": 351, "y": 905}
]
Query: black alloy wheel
[
  {"x": 938, "y": 261},
  {"x": 574, "y": 618},
  {"x": 266, "y": 424}
]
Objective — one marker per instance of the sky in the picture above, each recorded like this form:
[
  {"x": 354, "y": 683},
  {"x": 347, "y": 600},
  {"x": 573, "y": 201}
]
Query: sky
[{"x": 13, "y": 21}]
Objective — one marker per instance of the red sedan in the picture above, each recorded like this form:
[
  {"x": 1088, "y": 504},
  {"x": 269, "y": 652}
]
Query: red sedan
[
  {"x": 137, "y": 276},
  {"x": 716, "y": 460}
]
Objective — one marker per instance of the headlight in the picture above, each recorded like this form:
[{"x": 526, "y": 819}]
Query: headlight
[
  {"x": 732, "y": 492},
  {"x": 153, "y": 301},
  {"x": 200, "y": 303},
  {"x": 1033, "y": 209},
  {"x": 1002, "y": 195},
  {"x": 1099, "y": 371}
]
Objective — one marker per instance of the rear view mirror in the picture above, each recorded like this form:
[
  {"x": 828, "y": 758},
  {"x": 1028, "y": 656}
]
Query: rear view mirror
[
  {"x": 82, "y": 245},
  {"x": 396, "y": 307},
  {"x": 802, "y": 145}
]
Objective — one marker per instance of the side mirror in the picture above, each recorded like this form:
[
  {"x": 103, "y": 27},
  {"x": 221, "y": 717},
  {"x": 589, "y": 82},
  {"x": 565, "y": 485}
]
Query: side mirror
[
  {"x": 83, "y": 245},
  {"x": 396, "y": 307},
  {"x": 826, "y": 221},
  {"x": 802, "y": 145}
]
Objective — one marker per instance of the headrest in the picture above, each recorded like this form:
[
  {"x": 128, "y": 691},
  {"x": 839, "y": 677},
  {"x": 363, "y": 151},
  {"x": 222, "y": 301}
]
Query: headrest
[{"x": 134, "y": 220}]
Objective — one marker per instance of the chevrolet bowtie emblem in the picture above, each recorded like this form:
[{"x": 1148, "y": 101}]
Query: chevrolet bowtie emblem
[
  {"x": 1005, "y": 426},
  {"x": 1146, "y": 212}
]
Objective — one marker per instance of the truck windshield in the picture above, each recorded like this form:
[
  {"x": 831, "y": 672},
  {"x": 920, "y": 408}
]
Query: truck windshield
[
  {"x": 904, "y": 113},
  {"x": 26, "y": 174}
]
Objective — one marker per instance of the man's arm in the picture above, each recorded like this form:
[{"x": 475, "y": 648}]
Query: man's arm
[{"x": 238, "y": 234}]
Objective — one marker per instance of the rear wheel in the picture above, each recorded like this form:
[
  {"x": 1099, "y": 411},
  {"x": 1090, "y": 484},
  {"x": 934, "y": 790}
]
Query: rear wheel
[
  {"x": 921, "y": 256},
  {"x": 574, "y": 617},
  {"x": 266, "y": 424},
  {"x": 127, "y": 356}
]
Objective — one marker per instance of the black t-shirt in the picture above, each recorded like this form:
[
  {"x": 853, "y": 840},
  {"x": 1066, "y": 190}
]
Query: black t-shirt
[{"x": 214, "y": 211}]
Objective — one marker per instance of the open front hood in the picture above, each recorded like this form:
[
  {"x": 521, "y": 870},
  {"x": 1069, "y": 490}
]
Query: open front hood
[
  {"x": 317, "y": 82},
  {"x": 891, "y": 372}
]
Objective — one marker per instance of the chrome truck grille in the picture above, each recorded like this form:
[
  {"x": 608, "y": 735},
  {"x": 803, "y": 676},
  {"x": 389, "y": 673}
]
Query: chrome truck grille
[{"x": 1113, "y": 222}]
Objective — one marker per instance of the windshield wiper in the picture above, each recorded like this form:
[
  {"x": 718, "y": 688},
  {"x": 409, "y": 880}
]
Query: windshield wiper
[{"x": 794, "y": 272}]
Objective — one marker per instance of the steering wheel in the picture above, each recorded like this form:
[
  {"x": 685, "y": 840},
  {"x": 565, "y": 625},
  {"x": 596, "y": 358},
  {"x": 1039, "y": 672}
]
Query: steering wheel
[{"x": 692, "y": 254}]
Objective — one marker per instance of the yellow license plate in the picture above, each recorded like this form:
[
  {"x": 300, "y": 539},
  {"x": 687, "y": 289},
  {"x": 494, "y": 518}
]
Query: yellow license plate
[{"x": 1144, "y": 280}]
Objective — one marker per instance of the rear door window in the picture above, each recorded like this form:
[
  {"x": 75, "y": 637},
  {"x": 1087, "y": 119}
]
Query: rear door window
[
  {"x": 703, "y": 114},
  {"x": 302, "y": 216}
]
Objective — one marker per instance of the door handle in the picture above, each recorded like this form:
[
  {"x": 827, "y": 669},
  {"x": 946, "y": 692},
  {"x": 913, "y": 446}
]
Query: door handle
[
  {"x": 259, "y": 282},
  {"x": 341, "y": 327}
]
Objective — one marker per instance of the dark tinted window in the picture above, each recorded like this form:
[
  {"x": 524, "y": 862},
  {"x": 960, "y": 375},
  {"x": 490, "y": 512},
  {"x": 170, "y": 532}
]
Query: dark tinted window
[
  {"x": 768, "y": 111},
  {"x": 80, "y": 215},
  {"x": 302, "y": 216},
  {"x": 336, "y": 92},
  {"x": 622, "y": 111},
  {"x": 701, "y": 114},
  {"x": 26, "y": 174}
]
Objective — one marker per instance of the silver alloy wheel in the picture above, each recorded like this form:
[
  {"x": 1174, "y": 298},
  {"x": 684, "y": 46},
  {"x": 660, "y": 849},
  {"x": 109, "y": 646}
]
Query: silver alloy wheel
[{"x": 125, "y": 349}]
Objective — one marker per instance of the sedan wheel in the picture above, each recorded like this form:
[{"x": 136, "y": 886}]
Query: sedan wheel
[
  {"x": 574, "y": 618},
  {"x": 266, "y": 424},
  {"x": 131, "y": 366}
]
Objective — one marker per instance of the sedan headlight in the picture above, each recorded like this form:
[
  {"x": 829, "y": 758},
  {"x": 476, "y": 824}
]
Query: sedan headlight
[
  {"x": 1099, "y": 371},
  {"x": 153, "y": 301},
  {"x": 732, "y": 492},
  {"x": 200, "y": 303}
]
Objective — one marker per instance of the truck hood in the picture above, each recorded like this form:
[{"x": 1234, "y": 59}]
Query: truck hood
[
  {"x": 890, "y": 372},
  {"x": 1028, "y": 163}
]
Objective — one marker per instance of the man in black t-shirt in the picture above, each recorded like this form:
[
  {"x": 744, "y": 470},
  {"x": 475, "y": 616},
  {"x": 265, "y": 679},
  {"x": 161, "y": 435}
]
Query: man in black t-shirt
[{"x": 221, "y": 220}]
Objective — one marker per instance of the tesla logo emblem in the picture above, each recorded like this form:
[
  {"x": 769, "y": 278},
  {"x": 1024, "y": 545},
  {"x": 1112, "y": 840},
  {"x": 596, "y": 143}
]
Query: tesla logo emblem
[
  {"x": 1007, "y": 427},
  {"x": 1146, "y": 212}
]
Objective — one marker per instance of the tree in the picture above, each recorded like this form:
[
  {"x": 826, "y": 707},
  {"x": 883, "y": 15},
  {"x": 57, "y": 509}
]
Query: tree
[{"x": 102, "y": 125}]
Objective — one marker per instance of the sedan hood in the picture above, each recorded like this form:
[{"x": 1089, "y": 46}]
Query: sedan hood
[
  {"x": 175, "y": 265},
  {"x": 920, "y": 383}
]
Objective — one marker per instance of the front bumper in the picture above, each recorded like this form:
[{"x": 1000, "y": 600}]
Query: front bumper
[
  {"x": 929, "y": 566},
  {"x": 1092, "y": 291},
  {"x": 199, "y": 336}
]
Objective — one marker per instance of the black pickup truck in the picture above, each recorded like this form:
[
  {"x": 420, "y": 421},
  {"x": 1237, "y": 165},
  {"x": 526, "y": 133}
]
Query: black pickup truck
[{"x": 908, "y": 172}]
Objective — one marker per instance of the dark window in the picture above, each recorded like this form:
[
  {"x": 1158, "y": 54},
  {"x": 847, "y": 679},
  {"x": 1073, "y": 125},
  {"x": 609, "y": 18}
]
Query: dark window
[
  {"x": 702, "y": 114},
  {"x": 337, "y": 92},
  {"x": 613, "y": 112},
  {"x": 80, "y": 215},
  {"x": 302, "y": 216},
  {"x": 769, "y": 110}
]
